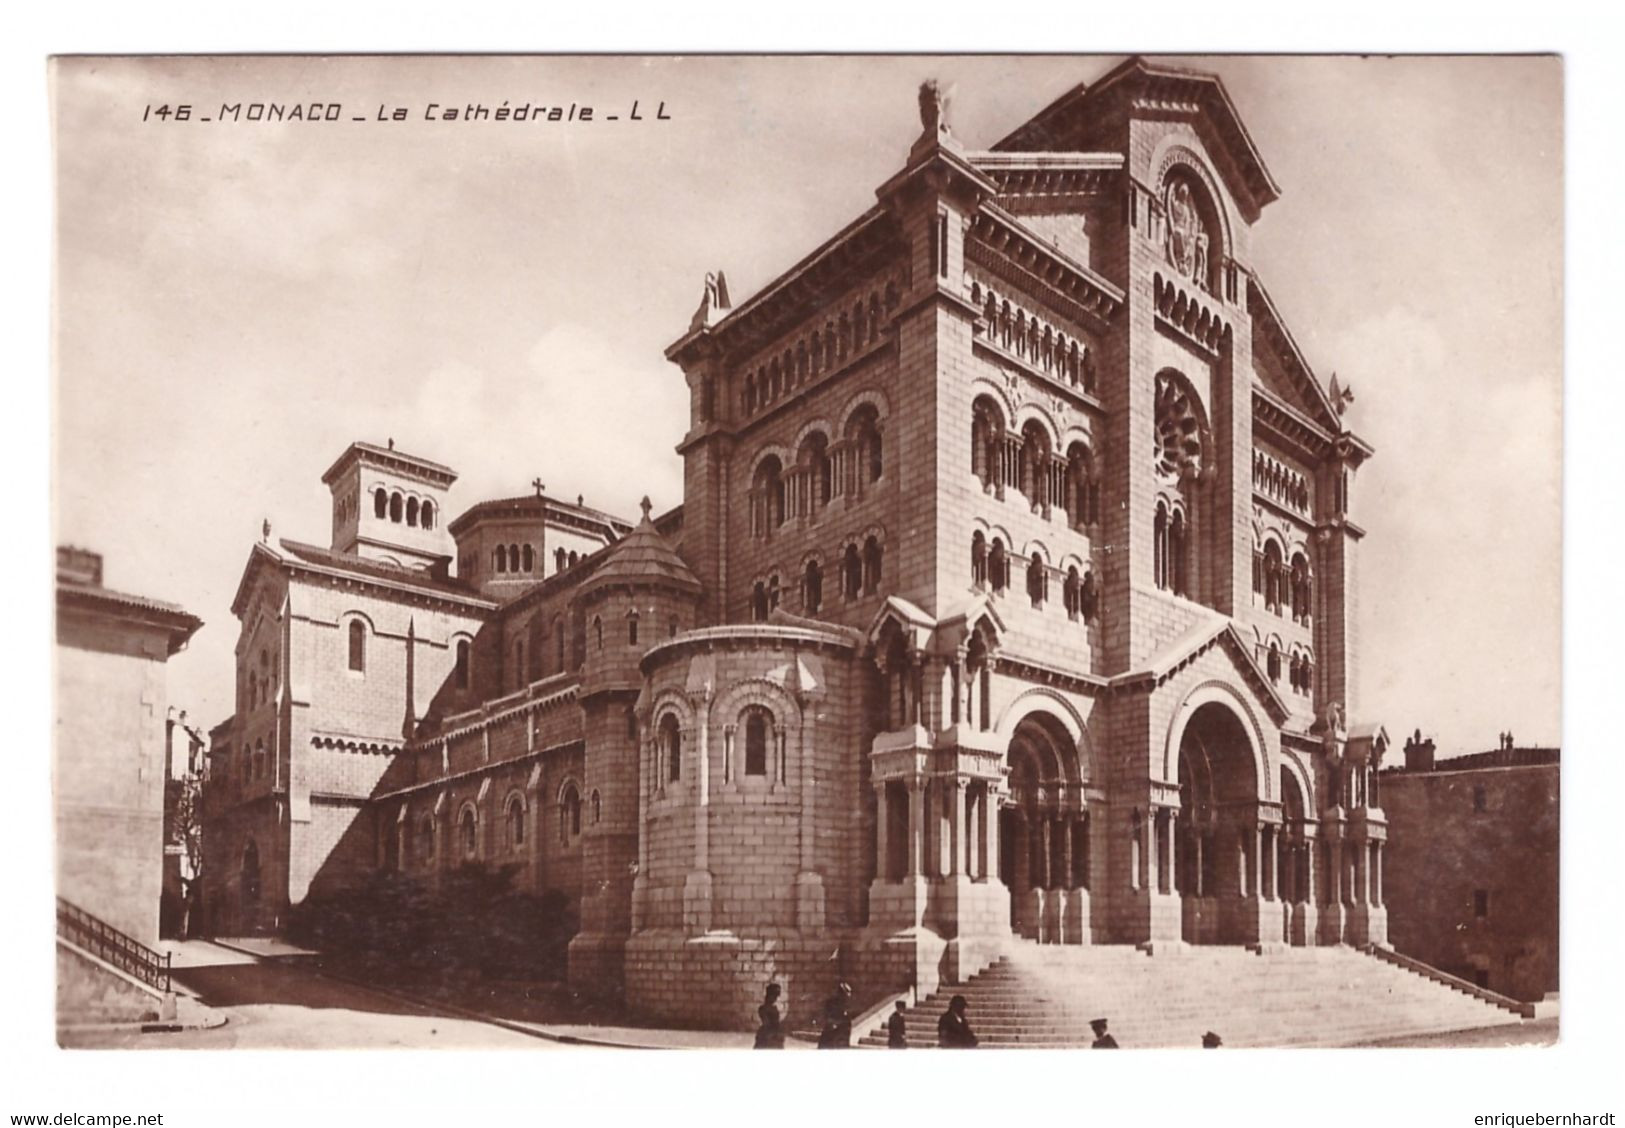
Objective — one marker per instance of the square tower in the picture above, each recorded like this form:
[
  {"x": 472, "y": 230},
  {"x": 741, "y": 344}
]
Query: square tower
[{"x": 390, "y": 506}]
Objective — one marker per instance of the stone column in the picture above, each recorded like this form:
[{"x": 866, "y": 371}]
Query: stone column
[
  {"x": 956, "y": 824},
  {"x": 1376, "y": 872},
  {"x": 1173, "y": 850},
  {"x": 1068, "y": 871},
  {"x": 882, "y": 845},
  {"x": 1199, "y": 850},
  {"x": 990, "y": 834},
  {"x": 916, "y": 825}
]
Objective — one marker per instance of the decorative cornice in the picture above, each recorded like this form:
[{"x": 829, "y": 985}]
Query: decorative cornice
[{"x": 1075, "y": 287}]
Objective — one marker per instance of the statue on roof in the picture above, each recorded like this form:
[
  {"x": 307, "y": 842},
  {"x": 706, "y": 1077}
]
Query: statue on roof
[
  {"x": 1341, "y": 395},
  {"x": 714, "y": 302},
  {"x": 935, "y": 101}
]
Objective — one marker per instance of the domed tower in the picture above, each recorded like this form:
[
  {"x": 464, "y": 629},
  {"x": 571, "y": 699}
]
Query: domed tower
[{"x": 642, "y": 594}]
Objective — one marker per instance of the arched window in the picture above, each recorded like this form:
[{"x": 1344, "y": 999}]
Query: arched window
[
  {"x": 412, "y": 511},
  {"x": 863, "y": 432},
  {"x": 598, "y": 632},
  {"x": 1037, "y": 580},
  {"x": 558, "y": 560},
  {"x": 758, "y": 729},
  {"x": 527, "y": 558},
  {"x": 812, "y": 460},
  {"x": 468, "y": 834},
  {"x": 758, "y": 602},
  {"x": 1176, "y": 554},
  {"x": 1088, "y": 598},
  {"x": 767, "y": 496},
  {"x": 986, "y": 440},
  {"x": 513, "y": 558},
  {"x": 1035, "y": 462},
  {"x": 395, "y": 506},
  {"x": 1273, "y": 577},
  {"x": 978, "y": 558},
  {"x": 812, "y": 588},
  {"x": 574, "y": 557},
  {"x": 380, "y": 504},
  {"x": 499, "y": 559},
  {"x": 597, "y": 807},
  {"x": 358, "y": 646},
  {"x": 569, "y": 814},
  {"x": 631, "y": 628},
  {"x": 998, "y": 567},
  {"x": 424, "y": 848},
  {"x": 426, "y": 515},
  {"x": 461, "y": 669},
  {"x": 1273, "y": 663},
  {"x": 1083, "y": 492},
  {"x": 1302, "y": 588},
  {"x": 851, "y": 573},
  {"x": 872, "y": 557},
  {"x": 773, "y": 593},
  {"x": 669, "y": 745},
  {"x": 516, "y": 822},
  {"x": 1072, "y": 593},
  {"x": 250, "y": 872}
]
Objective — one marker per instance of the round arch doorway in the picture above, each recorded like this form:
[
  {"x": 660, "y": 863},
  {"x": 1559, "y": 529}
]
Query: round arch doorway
[
  {"x": 1044, "y": 854},
  {"x": 1225, "y": 848}
]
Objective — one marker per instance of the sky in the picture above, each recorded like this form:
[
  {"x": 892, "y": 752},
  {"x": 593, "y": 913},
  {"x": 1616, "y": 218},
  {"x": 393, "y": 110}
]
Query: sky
[{"x": 236, "y": 302}]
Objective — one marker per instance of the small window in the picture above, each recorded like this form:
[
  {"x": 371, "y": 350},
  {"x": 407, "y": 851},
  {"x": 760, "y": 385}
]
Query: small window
[
  {"x": 812, "y": 588},
  {"x": 598, "y": 632},
  {"x": 570, "y": 814},
  {"x": 461, "y": 673},
  {"x": 671, "y": 747},
  {"x": 412, "y": 511},
  {"x": 516, "y": 823},
  {"x": 757, "y": 725},
  {"x": 1481, "y": 798},
  {"x": 1481, "y": 903},
  {"x": 468, "y": 828},
  {"x": 499, "y": 560},
  {"x": 395, "y": 507},
  {"x": 425, "y": 844},
  {"x": 632, "y": 629},
  {"x": 527, "y": 558},
  {"x": 872, "y": 556},
  {"x": 358, "y": 646},
  {"x": 380, "y": 505},
  {"x": 559, "y": 561},
  {"x": 597, "y": 807},
  {"x": 426, "y": 516}
]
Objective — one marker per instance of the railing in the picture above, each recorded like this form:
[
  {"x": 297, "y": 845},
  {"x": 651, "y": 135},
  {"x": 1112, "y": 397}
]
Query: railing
[
  {"x": 110, "y": 945},
  {"x": 1428, "y": 971}
]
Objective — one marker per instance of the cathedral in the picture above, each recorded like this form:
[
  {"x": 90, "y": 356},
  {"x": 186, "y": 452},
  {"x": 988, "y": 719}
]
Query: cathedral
[{"x": 1011, "y": 601}]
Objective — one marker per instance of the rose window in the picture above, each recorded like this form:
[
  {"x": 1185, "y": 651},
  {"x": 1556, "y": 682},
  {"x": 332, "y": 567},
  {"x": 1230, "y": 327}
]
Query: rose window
[{"x": 1179, "y": 429}]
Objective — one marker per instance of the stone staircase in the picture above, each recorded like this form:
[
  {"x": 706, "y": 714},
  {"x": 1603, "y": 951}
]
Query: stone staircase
[{"x": 1044, "y": 996}]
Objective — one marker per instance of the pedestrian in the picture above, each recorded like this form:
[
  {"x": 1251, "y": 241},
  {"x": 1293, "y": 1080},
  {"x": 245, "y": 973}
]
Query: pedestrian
[
  {"x": 837, "y": 1032},
  {"x": 1103, "y": 1040},
  {"x": 1211, "y": 1041},
  {"x": 953, "y": 1029},
  {"x": 897, "y": 1029},
  {"x": 770, "y": 1034}
]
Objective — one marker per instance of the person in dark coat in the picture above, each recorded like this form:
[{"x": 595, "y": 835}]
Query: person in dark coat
[
  {"x": 953, "y": 1028},
  {"x": 837, "y": 1032},
  {"x": 897, "y": 1028},
  {"x": 1103, "y": 1040},
  {"x": 770, "y": 1034},
  {"x": 1211, "y": 1041}
]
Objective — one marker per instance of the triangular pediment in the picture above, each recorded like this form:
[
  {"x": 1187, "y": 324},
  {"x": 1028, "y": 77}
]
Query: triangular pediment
[{"x": 1213, "y": 634}]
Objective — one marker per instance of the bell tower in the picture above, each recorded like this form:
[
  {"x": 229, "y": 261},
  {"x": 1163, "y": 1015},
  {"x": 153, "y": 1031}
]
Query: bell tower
[{"x": 390, "y": 506}]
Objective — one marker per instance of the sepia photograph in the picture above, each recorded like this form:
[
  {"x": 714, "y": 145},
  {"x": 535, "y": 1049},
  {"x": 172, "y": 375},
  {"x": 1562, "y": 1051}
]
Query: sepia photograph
[{"x": 807, "y": 552}]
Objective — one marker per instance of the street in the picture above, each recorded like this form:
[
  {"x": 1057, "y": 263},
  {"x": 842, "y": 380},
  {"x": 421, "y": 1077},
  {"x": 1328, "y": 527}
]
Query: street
[{"x": 281, "y": 1004}]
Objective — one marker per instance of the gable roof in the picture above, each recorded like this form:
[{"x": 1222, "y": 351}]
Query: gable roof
[
  {"x": 1214, "y": 630},
  {"x": 1063, "y": 125},
  {"x": 316, "y": 560}
]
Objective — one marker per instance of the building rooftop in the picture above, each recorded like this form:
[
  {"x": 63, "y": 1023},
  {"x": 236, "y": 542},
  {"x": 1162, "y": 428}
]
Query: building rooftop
[
  {"x": 408, "y": 464},
  {"x": 79, "y": 586},
  {"x": 541, "y": 506}
]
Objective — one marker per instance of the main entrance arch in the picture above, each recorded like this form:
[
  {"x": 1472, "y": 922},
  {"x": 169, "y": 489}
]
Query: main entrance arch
[
  {"x": 1044, "y": 834},
  {"x": 1227, "y": 854}
]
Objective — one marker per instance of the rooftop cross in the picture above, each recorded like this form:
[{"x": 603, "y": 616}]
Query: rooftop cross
[
  {"x": 538, "y": 485},
  {"x": 646, "y": 506}
]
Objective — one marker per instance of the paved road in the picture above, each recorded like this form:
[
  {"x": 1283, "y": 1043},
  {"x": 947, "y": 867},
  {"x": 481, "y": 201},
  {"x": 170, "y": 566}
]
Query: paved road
[{"x": 279, "y": 1004}]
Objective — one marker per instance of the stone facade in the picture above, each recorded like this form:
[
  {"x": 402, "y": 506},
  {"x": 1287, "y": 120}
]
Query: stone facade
[
  {"x": 1011, "y": 600},
  {"x": 1475, "y": 875},
  {"x": 111, "y": 747}
]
